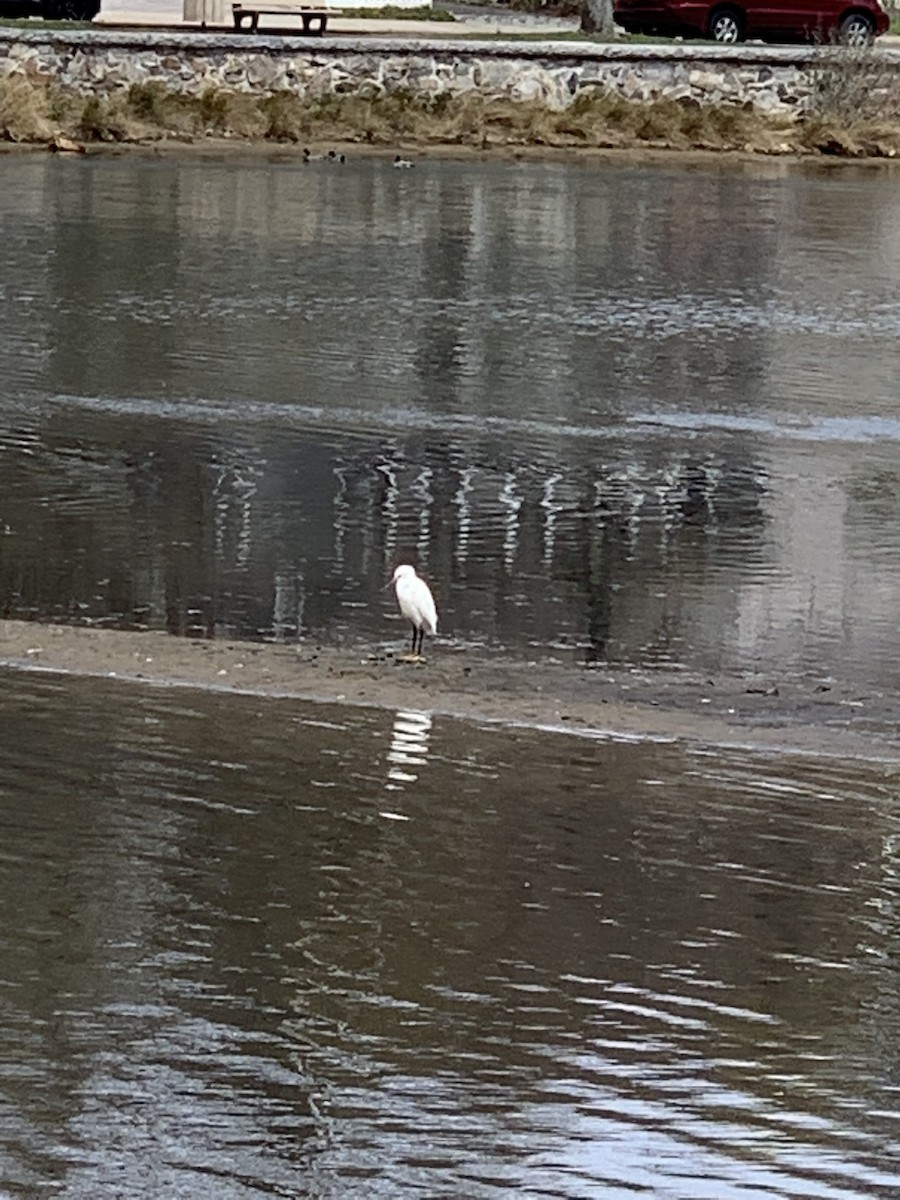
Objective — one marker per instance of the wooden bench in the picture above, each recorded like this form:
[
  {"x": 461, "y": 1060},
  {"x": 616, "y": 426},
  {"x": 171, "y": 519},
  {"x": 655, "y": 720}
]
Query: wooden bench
[{"x": 314, "y": 18}]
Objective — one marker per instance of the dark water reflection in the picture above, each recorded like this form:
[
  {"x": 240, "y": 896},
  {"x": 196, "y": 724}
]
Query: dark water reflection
[
  {"x": 632, "y": 415},
  {"x": 254, "y": 948}
]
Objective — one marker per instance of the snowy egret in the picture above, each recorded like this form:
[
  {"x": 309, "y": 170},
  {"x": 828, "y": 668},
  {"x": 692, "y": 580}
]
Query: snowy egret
[{"x": 417, "y": 605}]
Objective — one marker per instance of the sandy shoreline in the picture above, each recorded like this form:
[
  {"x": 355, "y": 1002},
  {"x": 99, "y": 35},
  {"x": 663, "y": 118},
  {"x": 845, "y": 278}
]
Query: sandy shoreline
[{"x": 819, "y": 718}]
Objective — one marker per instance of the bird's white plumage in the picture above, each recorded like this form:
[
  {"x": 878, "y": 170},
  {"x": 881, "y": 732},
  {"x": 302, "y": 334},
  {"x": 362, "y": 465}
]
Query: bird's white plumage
[{"x": 415, "y": 599}]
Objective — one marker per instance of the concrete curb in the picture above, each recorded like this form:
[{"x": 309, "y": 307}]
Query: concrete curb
[{"x": 555, "y": 53}]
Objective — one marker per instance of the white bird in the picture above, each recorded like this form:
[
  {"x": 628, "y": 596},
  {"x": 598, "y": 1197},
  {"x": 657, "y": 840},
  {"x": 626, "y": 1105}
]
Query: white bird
[
  {"x": 417, "y": 605},
  {"x": 402, "y": 164}
]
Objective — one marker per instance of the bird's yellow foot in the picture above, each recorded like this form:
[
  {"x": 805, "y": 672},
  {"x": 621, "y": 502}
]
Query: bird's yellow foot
[{"x": 412, "y": 658}]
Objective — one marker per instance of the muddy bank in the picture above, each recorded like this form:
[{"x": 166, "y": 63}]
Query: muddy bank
[
  {"x": 220, "y": 149},
  {"x": 813, "y": 717}
]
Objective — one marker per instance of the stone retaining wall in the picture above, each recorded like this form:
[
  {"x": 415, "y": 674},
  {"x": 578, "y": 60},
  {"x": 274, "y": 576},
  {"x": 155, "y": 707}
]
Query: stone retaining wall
[{"x": 775, "y": 79}]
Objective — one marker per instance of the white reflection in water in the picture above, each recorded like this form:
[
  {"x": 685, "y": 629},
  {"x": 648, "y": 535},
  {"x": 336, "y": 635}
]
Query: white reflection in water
[
  {"x": 341, "y": 516},
  {"x": 884, "y": 902},
  {"x": 550, "y": 510},
  {"x": 511, "y": 500},
  {"x": 666, "y": 490},
  {"x": 713, "y": 479},
  {"x": 391, "y": 508},
  {"x": 635, "y": 498},
  {"x": 464, "y": 508},
  {"x": 368, "y": 503},
  {"x": 234, "y": 490},
  {"x": 409, "y": 748},
  {"x": 421, "y": 489}
]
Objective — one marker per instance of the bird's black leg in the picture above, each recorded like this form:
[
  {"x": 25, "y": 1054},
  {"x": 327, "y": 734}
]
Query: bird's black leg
[
  {"x": 421, "y": 637},
  {"x": 414, "y": 632}
]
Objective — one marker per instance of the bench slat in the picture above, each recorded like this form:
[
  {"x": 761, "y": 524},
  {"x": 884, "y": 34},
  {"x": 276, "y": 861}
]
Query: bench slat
[{"x": 285, "y": 9}]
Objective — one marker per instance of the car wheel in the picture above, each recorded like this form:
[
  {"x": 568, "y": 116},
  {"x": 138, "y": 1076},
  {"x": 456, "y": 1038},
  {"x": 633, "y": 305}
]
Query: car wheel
[
  {"x": 725, "y": 25},
  {"x": 857, "y": 29}
]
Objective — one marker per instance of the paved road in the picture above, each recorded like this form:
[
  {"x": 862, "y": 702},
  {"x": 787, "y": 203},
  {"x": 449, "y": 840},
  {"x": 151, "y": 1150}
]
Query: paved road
[{"x": 469, "y": 19}]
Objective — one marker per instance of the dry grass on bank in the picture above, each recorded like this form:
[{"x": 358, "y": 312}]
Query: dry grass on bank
[
  {"x": 853, "y": 110},
  {"x": 148, "y": 112},
  {"x": 24, "y": 111},
  {"x": 854, "y": 106}
]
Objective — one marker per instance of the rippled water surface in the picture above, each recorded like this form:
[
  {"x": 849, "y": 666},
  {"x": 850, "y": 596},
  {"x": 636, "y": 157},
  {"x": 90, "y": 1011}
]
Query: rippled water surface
[
  {"x": 627, "y": 415},
  {"x": 255, "y": 948},
  {"x": 251, "y": 948}
]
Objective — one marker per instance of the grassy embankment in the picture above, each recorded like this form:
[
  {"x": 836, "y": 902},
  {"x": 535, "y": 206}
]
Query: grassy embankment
[{"x": 854, "y": 111}]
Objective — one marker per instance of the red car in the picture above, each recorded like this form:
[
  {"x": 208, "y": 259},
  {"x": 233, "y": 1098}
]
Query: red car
[{"x": 854, "y": 22}]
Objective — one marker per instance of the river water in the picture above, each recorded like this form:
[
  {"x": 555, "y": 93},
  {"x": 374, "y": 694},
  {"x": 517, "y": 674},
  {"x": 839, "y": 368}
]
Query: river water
[
  {"x": 253, "y": 947},
  {"x": 618, "y": 415}
]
